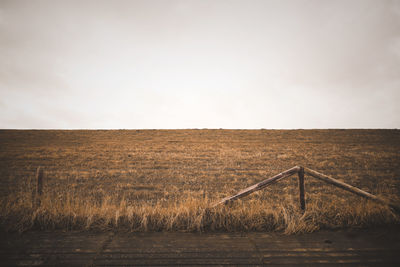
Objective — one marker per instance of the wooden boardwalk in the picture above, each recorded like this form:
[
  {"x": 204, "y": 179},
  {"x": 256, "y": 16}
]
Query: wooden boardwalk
[{"x": 376, "y": 247}]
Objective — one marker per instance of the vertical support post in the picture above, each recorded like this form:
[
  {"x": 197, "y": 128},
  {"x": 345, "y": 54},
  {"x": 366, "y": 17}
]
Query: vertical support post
[
  {"x": 39, "y": 185},
  {"x": 301, "y": 189}
]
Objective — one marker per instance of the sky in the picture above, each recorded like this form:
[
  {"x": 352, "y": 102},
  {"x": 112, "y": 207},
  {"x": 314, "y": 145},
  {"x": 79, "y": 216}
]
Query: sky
[{"x": 173, "y": 64}]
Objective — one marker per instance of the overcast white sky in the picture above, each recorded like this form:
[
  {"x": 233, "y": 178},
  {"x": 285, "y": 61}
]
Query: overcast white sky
[{"x": 200, "y": 64}]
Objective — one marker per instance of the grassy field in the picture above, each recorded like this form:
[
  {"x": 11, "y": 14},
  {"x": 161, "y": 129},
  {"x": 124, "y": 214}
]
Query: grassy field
[{"x": 166, "y": 180}]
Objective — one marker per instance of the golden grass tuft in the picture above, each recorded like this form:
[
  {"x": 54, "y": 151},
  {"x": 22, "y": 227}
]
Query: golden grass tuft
[{"x": 190, "y": 214}]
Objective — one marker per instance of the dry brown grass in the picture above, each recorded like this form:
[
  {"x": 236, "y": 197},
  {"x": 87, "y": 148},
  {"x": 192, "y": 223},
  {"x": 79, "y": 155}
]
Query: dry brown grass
[{"x": 167, "y": 180}]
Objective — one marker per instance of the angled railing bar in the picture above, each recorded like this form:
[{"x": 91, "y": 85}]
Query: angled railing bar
[
  {"x": 259, "y": 185},
  {"x": 301, "y": 171},
  {"x": 350, "y": 188}
]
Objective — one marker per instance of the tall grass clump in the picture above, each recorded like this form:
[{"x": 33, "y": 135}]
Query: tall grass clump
[{"x": 191, "y": 212}]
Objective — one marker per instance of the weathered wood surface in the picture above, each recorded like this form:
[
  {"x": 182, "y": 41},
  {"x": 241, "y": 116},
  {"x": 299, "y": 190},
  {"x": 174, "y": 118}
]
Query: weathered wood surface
[
  {"x": 350, "y": 188},
  {"x": 39, "y": 185},
  {"x": 259, "y": 185},
  {"x": 377, "y": 247},
  {"x": 301, "y": 189}
]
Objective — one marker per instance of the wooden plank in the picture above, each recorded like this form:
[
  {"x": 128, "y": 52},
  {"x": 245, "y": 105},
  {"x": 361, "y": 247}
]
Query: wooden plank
[
  {"x": 375, "y": 246},
  {"x": 39, "y": 185},
  {"x": 259, "y": 186},
  {"x": 350, "y": 188}
]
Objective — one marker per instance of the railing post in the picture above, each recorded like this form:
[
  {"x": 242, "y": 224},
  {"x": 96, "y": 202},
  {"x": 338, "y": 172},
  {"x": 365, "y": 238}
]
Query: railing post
[
  {"x": 301, "y": 189},
  {"x": 39, "y": 185}
]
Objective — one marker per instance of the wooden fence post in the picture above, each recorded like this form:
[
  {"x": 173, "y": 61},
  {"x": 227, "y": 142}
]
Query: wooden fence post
[
  {"x": 39, "y": 185},
  {"x": 301, "y": 189}
]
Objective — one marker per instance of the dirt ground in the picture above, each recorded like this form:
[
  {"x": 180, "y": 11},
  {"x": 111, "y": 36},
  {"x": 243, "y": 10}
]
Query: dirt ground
[
  {"x": 372, "y": 247},
  {"x": 164, "y": 180},
  {"x": 149, "y": 165}
]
